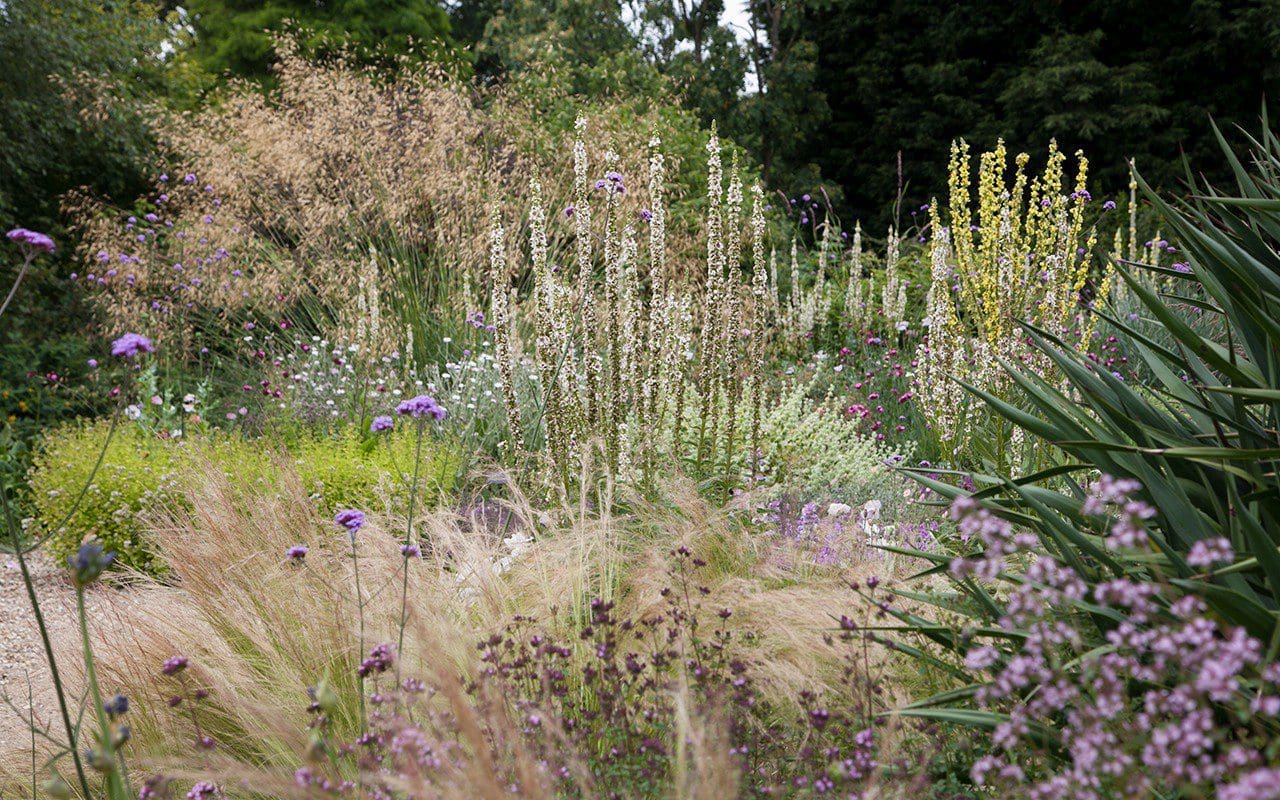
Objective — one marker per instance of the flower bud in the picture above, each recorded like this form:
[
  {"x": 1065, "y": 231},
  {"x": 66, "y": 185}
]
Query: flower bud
[
  {"x": 88, "y": 563},
  {"x": 56, "y": 788},
  {"x": 326, "y": 697},
  {"x": 100, "y": 761}
]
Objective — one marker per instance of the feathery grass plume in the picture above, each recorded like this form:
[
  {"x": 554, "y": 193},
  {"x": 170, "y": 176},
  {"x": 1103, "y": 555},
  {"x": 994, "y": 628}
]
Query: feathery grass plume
[
  {"x": 258, "y": 628},
  {"x": 504, "y": 335}
]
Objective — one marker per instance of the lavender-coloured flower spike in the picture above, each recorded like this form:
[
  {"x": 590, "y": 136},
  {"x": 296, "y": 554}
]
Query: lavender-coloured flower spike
[
  {"x": 30, "y": 241},
  {"x": 130, "y": 344},
  {"x": 421, "y": 406},
  {"x": 351, "y": 519},
  {"x": 381, "y": 424},
  {"x": 296, "y": 553}
]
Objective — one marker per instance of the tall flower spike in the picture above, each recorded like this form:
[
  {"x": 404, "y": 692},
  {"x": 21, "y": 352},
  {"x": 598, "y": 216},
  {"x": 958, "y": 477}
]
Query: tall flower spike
[{"x": 501, "y": 310}]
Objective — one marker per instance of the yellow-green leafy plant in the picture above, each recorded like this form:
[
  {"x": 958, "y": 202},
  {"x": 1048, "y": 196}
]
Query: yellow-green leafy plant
[
  {"x": 1023, "y": 253},
  {"x": 141, "y": 471}
]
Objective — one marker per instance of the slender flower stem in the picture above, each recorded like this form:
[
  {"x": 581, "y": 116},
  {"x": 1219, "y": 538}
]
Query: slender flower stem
[
  {"x": 22, "y": 272},
  {"x": 115, "y": 785},
  {"x": 355, "y": 563},
  {"x": 408, "y": 540}
]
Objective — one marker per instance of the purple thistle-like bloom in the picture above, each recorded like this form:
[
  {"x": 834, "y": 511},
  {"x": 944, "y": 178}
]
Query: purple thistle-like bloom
[
  {"x": 410, "y": 550},
  {"x": 351, "y": 519},
  {"x": 381, "y": 424},
  {"x": 30, "y": 241},
  {"x": 421, "y": 406},
  {"x": 296, "y": 553},
  {"x": 174, "y": 664},
  {"x": 130, "y": 344}
]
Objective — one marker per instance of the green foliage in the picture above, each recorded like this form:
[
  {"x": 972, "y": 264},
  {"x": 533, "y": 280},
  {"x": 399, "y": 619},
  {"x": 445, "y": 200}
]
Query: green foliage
[
  {"x": 237, "y": 37},
  {"x": 815, "y": 451},
  {"x": 140, "y": 471},
  {"x": 72, "y": 94},
  {"x": 1117, "y": 79}
]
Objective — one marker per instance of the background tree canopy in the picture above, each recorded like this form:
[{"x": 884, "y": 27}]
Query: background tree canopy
[
  {"x": 818, "y": 92},
  {"x": 1118, "y": 78}
]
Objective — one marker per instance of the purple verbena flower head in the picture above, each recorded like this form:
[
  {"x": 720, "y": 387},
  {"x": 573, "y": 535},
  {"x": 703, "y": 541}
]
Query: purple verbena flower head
[
  {"x": 421, "y": 406},
  {"x": 130, "y": 344},
  {"x": 351, "y": 519},
  {"x": 174, "y": 664},
  {"x": 205, "y": 791},
  {"x": 296, "y": 553},
  {"x": 1206, "y": 552},
  {"x": 380, "y": 660},
  {"x": 383, "y": 423},
  {"x": 31, "y": 242}
]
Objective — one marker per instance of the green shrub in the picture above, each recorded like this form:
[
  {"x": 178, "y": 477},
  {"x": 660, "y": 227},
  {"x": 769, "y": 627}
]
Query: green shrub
[{"x": 140, "y": 470}]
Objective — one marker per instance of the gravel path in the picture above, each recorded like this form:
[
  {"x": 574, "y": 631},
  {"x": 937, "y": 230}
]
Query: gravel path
[{"x": 22, "y": 656}]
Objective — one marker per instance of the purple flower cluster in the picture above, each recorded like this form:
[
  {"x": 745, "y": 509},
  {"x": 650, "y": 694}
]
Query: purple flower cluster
[
  {"x": 1128, "y": 530},
  {"x": 381, "y": 424},
  {"x": 1138, "y": 717},
  {"x": 351, "y": 519},
  {"x": 131, "y": 344},
  {"x": 381, "y": 658},
  {"x": 174, "y": 664},
  {"x": 31, "y": 242},
  {"x": 205, "y": 791},
  {"x": 421, "y": 406}
]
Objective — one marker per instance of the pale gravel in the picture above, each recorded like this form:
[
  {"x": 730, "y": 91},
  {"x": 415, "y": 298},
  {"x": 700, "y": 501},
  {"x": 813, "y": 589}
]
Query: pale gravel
[{"x": 22, "y": 659}]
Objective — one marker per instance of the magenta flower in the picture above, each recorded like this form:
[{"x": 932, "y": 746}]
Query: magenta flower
[
  {"x": 31, "y": 242},
  {"x": 130, "y": 344}
]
